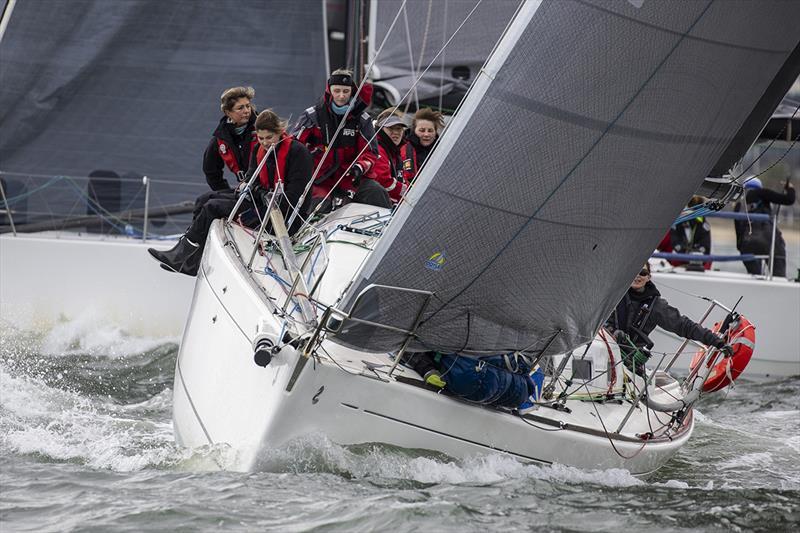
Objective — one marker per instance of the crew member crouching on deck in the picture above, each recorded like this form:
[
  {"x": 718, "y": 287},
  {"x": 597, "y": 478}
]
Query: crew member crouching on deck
[
  {"x": 289, "y": 162},
  {"x": 640, "y": 311}
]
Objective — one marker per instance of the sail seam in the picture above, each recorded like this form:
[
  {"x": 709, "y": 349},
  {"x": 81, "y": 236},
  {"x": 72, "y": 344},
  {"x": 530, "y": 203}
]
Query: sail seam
[{"x": 675, "y": 32}]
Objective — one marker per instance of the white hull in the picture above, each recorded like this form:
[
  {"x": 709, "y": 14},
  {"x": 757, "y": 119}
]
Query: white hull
[
  {"x": 222, "y": 396},
  {"x": 773, "y": 306},
  {"x": 52, "y": 277}
]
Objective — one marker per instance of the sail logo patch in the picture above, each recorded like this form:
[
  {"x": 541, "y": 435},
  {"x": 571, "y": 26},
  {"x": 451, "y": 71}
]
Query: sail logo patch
[{"x": 435, "y": 262}]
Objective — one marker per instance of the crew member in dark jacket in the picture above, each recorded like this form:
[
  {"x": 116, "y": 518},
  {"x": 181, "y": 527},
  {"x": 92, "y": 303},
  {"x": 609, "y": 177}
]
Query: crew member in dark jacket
[
  {"x": 346, "y": 158},
  {"x": 424, "y": 133},
  {"x": 289, "y": 162},
  {"x": 691, "y": 236},
  {"x": 759, "y": 242},
  {"x": 233, "y": 139},
  {"x": 640, "y": 311}
]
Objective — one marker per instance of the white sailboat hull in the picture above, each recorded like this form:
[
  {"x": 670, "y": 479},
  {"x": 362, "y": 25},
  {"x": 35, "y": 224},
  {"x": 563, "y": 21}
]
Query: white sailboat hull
[
  {"x": 222, "y": 396},
  {"x": 51, "y": 277}
]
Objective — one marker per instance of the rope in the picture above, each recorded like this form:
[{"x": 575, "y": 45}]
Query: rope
[{"x": 767, "y": 149}]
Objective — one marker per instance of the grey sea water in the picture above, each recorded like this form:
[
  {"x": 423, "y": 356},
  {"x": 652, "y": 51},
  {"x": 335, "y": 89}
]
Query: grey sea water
[{"x": 86, "y": 444}]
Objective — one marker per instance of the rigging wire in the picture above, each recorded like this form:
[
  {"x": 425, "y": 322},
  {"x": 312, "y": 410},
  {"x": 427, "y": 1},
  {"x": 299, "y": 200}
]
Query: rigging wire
[
  {"x": 413, "y": 86},
  {"x": 766, "y": 149}
]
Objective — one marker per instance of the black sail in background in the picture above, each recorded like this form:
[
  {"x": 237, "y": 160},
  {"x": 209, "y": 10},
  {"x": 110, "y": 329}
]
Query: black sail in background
[
  {"x": 593, "y": 125},
  {"x": 410, "y": 48},
  {"x": 134, "y": 85}
]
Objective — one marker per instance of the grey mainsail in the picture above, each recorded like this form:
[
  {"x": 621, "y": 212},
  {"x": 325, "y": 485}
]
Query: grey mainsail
[{"x": 592, "y": 125}]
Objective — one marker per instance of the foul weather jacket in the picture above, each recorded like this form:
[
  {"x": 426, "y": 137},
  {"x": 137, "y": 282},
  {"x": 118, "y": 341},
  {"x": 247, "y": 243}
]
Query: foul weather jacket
[
  {"x": 294, "y": 166},
  {"x": 645, "y": 310},
  {"x": 414, "y": 156},
  {"x": 388, "y": 169},
  {"x": 226, "y": 149},
  {"x": 355, "y": 142}
]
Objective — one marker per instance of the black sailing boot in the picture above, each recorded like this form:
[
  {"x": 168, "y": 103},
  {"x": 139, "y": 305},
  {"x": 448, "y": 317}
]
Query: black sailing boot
[{"x": 183, "y": 258}]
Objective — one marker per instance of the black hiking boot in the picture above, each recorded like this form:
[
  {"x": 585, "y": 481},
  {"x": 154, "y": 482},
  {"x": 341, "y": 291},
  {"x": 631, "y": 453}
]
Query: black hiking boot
[{"x": 184, "y": 257}]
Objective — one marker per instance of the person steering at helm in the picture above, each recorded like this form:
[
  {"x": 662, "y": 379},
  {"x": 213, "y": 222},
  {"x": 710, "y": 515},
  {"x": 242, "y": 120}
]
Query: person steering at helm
[{"x": 639, "y": 312}]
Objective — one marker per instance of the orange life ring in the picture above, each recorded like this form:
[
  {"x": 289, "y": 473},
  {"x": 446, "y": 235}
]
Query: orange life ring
[{"x": 741, "y": 336}]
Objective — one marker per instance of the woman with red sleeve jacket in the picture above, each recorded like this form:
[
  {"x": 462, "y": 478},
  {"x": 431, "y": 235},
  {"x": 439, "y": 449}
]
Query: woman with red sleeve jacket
[
  {"x": 388, "y": 169},
  {"x": 354, "y": 148},
  {"x": 233, "y": 139}
]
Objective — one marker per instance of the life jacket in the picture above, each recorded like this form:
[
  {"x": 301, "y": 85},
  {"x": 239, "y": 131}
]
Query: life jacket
[
  {"x": 394, "y": 155},
  {"x": 642, "y": 309},
  {"x": 409, "y": 157},
  {"x": 282, "y": 156},
  {"x": 228, "y": 154}
]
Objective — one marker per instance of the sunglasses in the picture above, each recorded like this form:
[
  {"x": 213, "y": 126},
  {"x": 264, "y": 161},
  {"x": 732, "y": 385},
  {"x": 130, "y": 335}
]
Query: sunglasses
[{"x": 644, "y": 273}]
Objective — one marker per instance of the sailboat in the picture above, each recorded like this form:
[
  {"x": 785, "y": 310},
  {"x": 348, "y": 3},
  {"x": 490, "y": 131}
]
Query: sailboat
[{"x": 588, "y": 128}]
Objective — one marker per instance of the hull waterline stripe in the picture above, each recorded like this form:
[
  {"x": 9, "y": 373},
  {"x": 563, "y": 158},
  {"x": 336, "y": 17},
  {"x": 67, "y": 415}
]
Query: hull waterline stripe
[{"x": 386, "y": 417}]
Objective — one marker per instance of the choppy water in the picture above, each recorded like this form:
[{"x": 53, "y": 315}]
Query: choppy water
[{"x": 86, "y": 445}]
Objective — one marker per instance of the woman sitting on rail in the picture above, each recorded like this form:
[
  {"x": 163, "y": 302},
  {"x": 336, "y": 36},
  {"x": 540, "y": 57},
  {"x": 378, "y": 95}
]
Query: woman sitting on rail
[{"x": 290, "y": 162}]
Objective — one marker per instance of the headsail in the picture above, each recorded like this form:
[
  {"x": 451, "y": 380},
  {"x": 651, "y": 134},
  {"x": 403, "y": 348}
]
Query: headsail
[{"x": 591, "y": 126}]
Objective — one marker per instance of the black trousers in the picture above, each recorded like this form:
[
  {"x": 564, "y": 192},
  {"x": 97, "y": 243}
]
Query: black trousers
[
  {"x": 779, "y": 270},
  {"x": 369, "y": 192},
  {"x": 207, "y": 208}
]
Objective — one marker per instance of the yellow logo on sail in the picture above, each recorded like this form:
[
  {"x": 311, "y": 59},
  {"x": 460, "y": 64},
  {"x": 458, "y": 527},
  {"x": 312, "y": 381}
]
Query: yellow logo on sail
[{"x": 435, "y": 262}]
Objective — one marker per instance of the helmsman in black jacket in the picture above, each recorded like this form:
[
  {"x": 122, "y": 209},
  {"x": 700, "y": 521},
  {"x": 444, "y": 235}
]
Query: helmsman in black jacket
[{"x": 640, "y": 311}]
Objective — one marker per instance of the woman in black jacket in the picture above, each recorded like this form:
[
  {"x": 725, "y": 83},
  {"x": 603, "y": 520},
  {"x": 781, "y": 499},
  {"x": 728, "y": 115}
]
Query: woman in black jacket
[
  {"x": 233, "y": 139},
  {"x": 640, "y": 311},
  {"x": 289, "y": 163}
]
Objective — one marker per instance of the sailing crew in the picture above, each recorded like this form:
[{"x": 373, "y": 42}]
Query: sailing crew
[
  {"x": 692, "y": 236},
  {"x": 424, "y": 133},
  {"x": 289, "y": 162},
  {"x": 347, "y": 157},
  {"x": 640, "y": 311},
  {"x": 755, "y": 237},
  {"x": 233, "y": 139},
  {"x": 388, "y": 169}
]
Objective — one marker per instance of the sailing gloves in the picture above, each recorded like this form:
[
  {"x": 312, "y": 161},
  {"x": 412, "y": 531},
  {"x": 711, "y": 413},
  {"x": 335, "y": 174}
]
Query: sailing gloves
[
  {"x": 726, "y": 349},
  {"x": 356, "y": 172}
]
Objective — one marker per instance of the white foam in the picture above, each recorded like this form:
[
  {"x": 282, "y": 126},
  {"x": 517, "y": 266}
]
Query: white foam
[
  {"x": 37, "y": 419},
  {"x": 91, "y": 334},
  {"x": 756, "y": 459},
  {"x": 315, "y": 453},
  {"x": 792, "y": 415}
]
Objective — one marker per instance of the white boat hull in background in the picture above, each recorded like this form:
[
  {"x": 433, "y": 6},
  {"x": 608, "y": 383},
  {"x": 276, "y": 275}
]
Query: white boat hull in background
[
  {"x": 46, "y": 278},
  {"x": 773, "y": 306}
]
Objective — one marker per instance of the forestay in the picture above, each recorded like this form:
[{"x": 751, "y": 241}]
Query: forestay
[{"x": 589, "y": 129}]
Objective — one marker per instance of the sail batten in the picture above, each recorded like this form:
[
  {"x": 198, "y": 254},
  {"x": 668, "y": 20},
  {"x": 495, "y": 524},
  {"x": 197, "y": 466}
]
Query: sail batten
[{"x": 595, "y": 119}]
